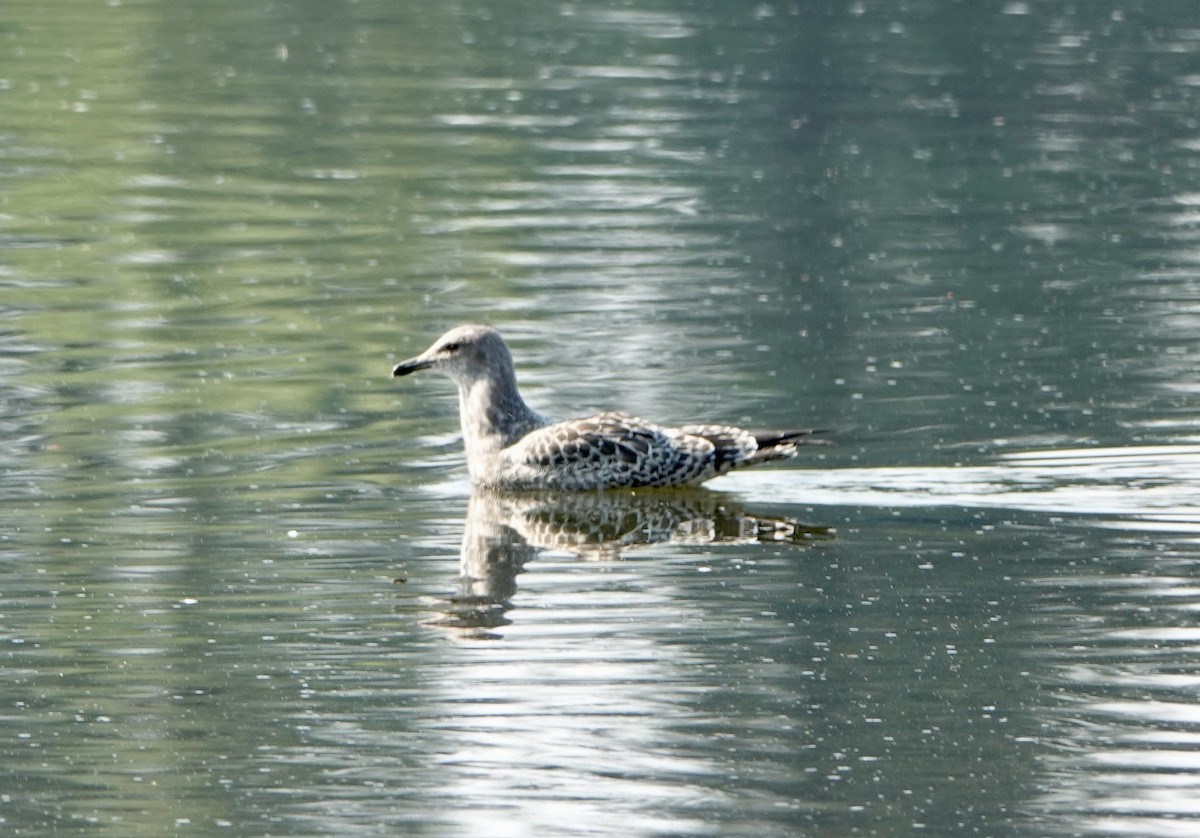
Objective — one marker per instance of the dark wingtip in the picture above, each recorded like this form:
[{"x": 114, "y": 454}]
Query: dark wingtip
[{"x": 803, "y": 436}]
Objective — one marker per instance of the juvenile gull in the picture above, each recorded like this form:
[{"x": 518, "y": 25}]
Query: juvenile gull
[{"x": 509, "y": 446}]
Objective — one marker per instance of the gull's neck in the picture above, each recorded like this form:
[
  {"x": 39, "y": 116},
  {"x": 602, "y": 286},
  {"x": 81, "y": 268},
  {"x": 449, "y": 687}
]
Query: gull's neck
[{"x": 493, "y": 415}]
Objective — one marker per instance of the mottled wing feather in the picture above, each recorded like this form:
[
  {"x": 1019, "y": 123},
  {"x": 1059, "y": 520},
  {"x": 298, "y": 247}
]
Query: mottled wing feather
[
  {"x": 613, "y": 450},
  {"x": 737, "y": 446},
  {"x": 616, "y": 450},
  {"x": 731, "y": 446}
]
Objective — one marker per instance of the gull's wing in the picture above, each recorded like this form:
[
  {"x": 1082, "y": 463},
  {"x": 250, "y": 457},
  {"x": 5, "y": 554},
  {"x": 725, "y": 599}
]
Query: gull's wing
[{"x": 613, "y": 450}]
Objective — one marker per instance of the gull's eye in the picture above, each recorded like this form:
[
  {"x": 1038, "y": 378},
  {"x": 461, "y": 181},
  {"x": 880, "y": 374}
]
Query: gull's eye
[{"x": 451, "y": 347}]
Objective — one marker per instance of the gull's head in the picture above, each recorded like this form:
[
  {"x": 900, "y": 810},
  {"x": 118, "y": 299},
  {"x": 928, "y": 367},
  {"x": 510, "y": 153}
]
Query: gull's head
[{"x": 465, "y": 354}]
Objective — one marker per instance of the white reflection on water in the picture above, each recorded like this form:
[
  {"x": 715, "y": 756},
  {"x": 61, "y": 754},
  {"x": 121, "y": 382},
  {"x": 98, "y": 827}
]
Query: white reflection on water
[
  {"x": 1117, "y": 710},
  {"x": 1115, "y": 651},
  {"x": 601, "y": 710},
  {"x": 1155, "y": 487},
  {"x": 1122, "y": 767}
]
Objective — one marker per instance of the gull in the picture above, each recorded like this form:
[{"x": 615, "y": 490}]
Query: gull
[{"x": 510, "y": 446}]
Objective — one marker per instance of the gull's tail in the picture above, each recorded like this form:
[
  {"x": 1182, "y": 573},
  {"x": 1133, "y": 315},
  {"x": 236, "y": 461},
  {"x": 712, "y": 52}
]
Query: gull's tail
[
  {"x": 774, "y": 445},
  {"x": 734, "y": 447}
]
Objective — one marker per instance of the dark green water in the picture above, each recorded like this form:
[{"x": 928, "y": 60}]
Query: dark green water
[{"x": 967, "y": 235}]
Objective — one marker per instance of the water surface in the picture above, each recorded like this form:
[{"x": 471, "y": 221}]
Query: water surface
[{"x": 962, "y": 234}]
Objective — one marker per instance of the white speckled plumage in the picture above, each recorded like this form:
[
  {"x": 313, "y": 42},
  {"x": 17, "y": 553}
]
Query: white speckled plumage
[{"x": 510, "y": 446}]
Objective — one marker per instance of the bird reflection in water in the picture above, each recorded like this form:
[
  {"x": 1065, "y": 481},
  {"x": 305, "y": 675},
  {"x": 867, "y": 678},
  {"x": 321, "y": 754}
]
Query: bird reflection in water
[{"x": 504, "y": 531}]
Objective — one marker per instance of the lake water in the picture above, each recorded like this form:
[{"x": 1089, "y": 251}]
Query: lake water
[{"x": 247, "y": 589}]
